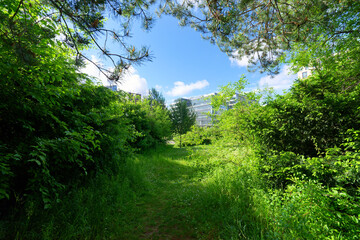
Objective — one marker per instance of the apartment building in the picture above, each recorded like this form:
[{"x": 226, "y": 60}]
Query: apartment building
[{"x": 201, "y": 105}]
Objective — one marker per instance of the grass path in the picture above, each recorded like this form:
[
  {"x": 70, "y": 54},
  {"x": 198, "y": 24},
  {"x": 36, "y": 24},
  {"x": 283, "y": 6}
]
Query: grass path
[
  {"x": 167, "y": 175},
  {"x": 194, "y": 193},
  {"x": 167, "y": 193},
  {"x": 202, "y": 192}
]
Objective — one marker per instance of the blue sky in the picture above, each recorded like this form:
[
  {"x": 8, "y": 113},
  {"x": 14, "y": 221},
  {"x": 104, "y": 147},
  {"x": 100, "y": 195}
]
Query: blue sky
[{"x": 183, "y": 64}]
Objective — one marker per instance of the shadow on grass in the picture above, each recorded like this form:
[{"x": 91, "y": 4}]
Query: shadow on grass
[
  {"x": 161, "y": 196},
  {"x": 183, "y": 206}
]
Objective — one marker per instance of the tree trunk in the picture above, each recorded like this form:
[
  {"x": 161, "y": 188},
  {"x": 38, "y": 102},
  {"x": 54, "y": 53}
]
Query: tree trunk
[{"x": 180, "y": 140}]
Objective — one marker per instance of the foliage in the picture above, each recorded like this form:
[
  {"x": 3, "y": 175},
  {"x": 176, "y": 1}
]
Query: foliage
[
  {"x": 82, "y": 22},
  {"x": 57, "y": 128},
  {"x": 182, "y": 117},
  {"x": 151, "y": 123},
  {"x": 306, "y": 145},
  {"x": 308, "y": 119},
  {"x": 236, "y": 190},
  {"x": 104, "y": 207},
  {"x": 298, "y": 180},
  {"x": 156, "y": 98},
  {"x": 313, "y": 116},
  {"x": 336, "y": 174},
  {"x": 200, "y": 136},
  {"x": 237, "y": 124},
  {"x": 265, "y": 31}
]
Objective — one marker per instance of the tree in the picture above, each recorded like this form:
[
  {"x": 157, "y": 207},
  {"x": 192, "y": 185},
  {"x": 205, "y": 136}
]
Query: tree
[
  {"x": 57, "y": 128},
  {"x": 156, "y": 98},
  {"x": 80, "y": 24},
  {"x": 182, "y": 117},
  {"x": 265, "y": 31}
]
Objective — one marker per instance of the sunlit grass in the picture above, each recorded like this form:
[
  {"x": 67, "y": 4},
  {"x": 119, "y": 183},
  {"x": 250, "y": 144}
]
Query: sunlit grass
[
  {"x": 203, "y": 192},
  {"x": 165, "y": 193}
]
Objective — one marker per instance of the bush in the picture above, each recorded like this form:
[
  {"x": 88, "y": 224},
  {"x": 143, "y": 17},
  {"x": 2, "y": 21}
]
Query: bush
[
  {"x": 151, "y": 123},
  {"x": 321, "y": 194},
  {"x": 308, "y": 119},
  {"x": 307, "y": 146},
  {"x": 58, "y": 128},
  {"x": 199, "y": 136}
]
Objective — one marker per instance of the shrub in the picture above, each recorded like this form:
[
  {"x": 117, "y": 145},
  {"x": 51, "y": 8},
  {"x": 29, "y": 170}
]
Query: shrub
[
  {"x": 308, "y": 119},
  {"x": 199, "y": 136}
]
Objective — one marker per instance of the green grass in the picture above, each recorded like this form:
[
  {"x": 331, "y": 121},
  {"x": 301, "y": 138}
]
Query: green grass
[
  {"x": 203, "y": 192},
  {"x": 166, "y": 193}
]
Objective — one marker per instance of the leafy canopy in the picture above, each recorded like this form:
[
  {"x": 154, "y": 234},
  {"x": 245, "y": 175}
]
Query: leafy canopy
[
  {"x": 156, "y": 98},
  {"x": 265, "y": 31},
  {"x": 81, "y": 24}
]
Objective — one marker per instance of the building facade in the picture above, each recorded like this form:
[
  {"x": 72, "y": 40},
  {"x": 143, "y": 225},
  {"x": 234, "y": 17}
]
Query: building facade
[
  {"x": 205, "y": 113},
  {"x": 305, "y": 72}
]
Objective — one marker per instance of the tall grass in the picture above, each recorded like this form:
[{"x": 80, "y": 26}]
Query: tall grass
[
  {"x": 102, "y": 209},
  {"x": 230, "y": 199},
  {"x": 224, "y": 200},
  {"x": 202, "y": 192}
]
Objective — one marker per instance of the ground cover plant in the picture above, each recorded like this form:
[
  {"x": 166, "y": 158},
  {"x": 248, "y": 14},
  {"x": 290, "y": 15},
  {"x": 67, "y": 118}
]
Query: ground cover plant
[{"x": 209, "y": 191}]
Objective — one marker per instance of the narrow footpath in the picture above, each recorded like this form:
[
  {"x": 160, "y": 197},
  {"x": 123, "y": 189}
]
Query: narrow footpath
[
  {"x": 193, "y": 193},
  {"x": 162, "y": 212}
]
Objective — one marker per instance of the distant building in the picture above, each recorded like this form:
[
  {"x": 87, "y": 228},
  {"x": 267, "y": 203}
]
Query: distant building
[
  {"x": 188, "y": 102},
  {"x": 203, "y": 109},
  {"x": 235, "y": 99},
  {"x": 205, "y": 113},
  {"x": 131, "y": 96},
  {"x": 305, "y": 72}
]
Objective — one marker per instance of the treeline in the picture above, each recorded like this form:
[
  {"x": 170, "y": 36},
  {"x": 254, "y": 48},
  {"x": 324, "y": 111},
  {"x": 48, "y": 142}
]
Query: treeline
[
  {"x": 306, "y": 141},
  {"x": 306, "y": 144},
  {"x": 57, "y": 128}
]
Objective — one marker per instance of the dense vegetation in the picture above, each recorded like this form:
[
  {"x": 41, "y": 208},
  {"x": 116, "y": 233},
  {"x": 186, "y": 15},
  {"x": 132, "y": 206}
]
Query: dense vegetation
[
  {"x": 59, "y": 129},
  {"x": 306, "y": 142},
  {"x": 304, "y": 160},
  {"x": 278, "y": 167}
]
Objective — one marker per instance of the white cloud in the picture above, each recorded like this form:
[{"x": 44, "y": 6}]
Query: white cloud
[
  {"x": 281, "y": 81},
  {"x": 93, "y": 71},
  {"x": 133, "y": 82},
  {"x": 158, "y": 87},
  {"x": 180, "y": 88},
  {"x": 243, "y": 62}
]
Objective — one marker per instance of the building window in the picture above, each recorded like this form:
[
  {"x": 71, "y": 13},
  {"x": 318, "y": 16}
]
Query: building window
[{"x": 304, "y": 75}]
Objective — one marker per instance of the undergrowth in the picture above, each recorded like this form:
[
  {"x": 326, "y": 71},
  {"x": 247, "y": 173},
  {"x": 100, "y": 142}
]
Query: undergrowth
[
  {"x": 202, "y": 192},
  {"x": 102, "y": 209}
]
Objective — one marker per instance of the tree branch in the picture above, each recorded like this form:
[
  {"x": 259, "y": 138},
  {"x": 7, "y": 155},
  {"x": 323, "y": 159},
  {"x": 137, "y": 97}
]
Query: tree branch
[{"x": 17, "y": 10}]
